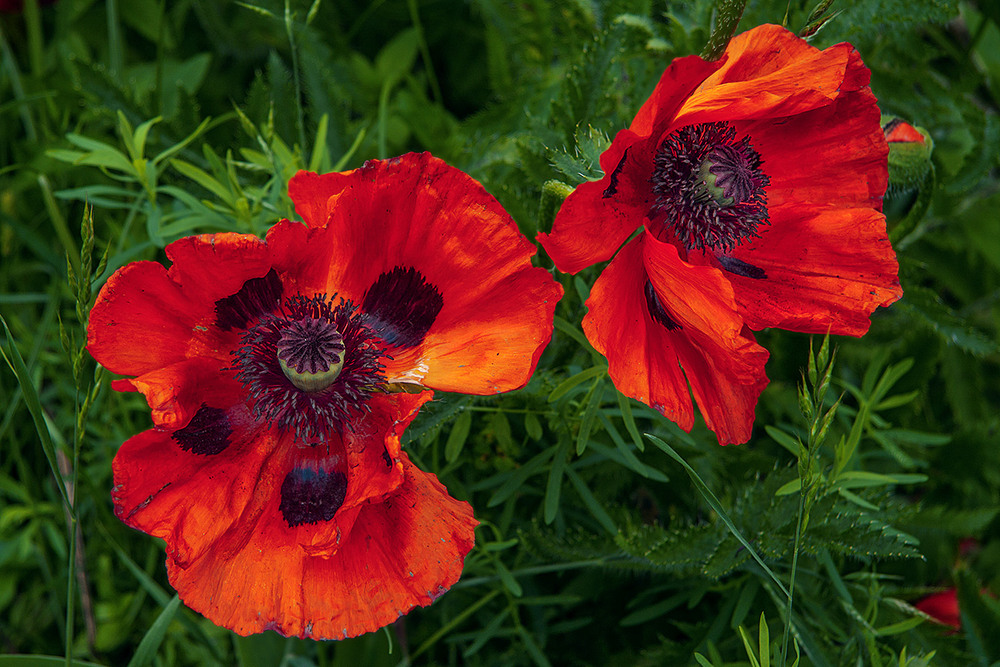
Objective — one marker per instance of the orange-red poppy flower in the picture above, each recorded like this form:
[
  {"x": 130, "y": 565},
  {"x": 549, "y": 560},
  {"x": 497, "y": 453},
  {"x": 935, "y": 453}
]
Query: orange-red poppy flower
[
  {"x": 942, "y": 607},
  {"x": 274, "y": 470},
  {"x": 758, "y": 179}
]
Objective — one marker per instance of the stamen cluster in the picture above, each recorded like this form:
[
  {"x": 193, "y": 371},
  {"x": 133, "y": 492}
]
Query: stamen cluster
[
  {"x": 310, "y": 413},
  {"x": 709, "y": 187}
]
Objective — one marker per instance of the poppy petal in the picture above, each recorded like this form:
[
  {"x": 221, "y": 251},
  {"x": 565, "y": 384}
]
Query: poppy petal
[
  {"x": 213, "y": 266},
  {"x": 177, "y": 391},
  {"x": 770, "y": 73},
  {"x": 141, "y": 321},
  {"x": 843, "y": 142},
  {"x": 417, "y": 216},
  {"x": 827, "y": 269},
  {"x": 598, "y": 216},
  {"x": 167, "y": 482},
  {"x": 942, "y": 607},
  {"x": 722, "y": 362},
  {"x": 168, "y": 491},
  {"x": 698, "y": 332},
  {"x": 402, "y": 552}
]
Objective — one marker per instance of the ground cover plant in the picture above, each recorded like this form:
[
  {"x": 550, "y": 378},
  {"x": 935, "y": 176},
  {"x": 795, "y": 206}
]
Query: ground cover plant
[{"x": 513, "y": 230}]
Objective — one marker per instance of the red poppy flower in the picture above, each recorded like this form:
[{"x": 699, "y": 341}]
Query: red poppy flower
[
  {"x": 274, "y": 470},
  {"x": 758, "y": 179},
  {"x": 942, "y": 607}
]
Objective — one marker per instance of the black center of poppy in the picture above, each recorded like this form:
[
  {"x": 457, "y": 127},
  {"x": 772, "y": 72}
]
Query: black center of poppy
[
  {"x": 709, "y": 187},
  {"x": 311, "y": 353},
  {"x": 311, "y": 367}
]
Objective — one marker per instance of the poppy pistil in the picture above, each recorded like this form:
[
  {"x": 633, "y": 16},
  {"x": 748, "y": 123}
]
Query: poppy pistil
[
  {"x": 709, "y": 187},
  {"x": 311, "y": 353}
]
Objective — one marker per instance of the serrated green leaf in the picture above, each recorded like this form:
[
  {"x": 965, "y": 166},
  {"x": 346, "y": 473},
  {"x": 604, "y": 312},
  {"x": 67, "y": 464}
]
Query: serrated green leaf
[
  {"x": 925, "y": 306},
  {"x": 713, "y": 501}
]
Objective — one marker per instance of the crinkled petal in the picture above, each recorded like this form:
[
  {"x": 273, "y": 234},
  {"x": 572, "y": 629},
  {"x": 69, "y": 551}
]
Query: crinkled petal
[
  {"x": 404, "y": 550},
  {"x": 140, "y": 322},
  {"x": 845, "y": 149},
  {"x": 190, "y": 499},
  {"x": 769, "y": 72},
  {"x": 176, "y": 392},
  {"x": 147, "y": 317},
  {"x": 211, "y": 502},
  {"x": 210, "y": 267},
  {"x": 826, "y": 269},
  {"x": 705, "y": 338},
  {"x": 417, "y": 213}
]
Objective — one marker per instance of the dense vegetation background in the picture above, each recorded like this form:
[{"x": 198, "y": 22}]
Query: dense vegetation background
[{"x": 597, "y": 546}]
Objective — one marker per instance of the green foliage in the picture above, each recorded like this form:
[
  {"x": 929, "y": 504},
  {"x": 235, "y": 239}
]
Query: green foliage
[{"x": 872, "y": 480}]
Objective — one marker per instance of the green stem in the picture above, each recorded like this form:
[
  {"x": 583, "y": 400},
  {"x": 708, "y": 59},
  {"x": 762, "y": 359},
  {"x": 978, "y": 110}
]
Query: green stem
[
  {"x": 727, "y": 16},
  {"x": 59, "y": 222},
  {"x": 116, "y": 54},
  {"x": 538, "y": 569},
  {"x": 425, "y": 53},
  {"x": 33, "y": 22},
  {"x": 71, "y": 562},
  {"x": 300, "y": 115},
  {"x": 791, "y": 582}
]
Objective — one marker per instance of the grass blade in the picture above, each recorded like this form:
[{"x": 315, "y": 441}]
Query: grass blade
[
  {"x": 30, "y": 396},
  {"x": 150, "y": 644}
]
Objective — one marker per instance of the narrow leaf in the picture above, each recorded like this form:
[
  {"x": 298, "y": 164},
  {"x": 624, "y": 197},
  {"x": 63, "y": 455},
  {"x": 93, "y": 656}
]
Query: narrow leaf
[
  {"x": 554, "y": 485},
  {"x": 31, "y": 400},
  {"x": 150, "y": 644},
  {"x": 591, "y": 502},
  {"x": 459, "y": 434},
  {"x": 563, "y": 388}
]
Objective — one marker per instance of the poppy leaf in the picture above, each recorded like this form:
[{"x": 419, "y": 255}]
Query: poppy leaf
[
  {"x": 713, "y": 501},
  {"x": 30, "y": 395},
  {"x": 628, "y": 458},
  {"x": 519, "y": 476},
  {"x": 533, "y": 426}
]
